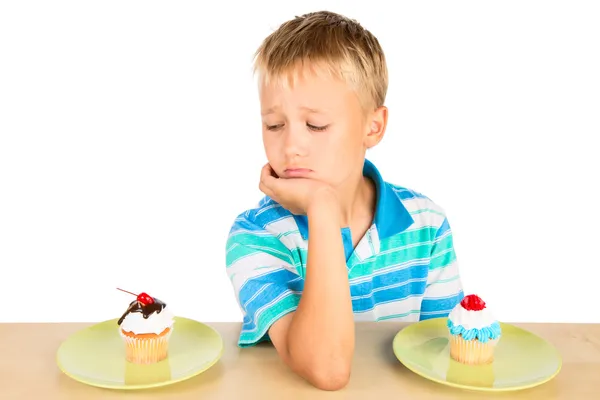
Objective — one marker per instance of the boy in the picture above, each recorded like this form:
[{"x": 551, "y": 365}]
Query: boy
[{"x": 331, "y": 242}]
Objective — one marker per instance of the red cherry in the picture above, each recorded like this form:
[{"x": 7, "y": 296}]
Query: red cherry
[
  {"x": 472, "y": 302},
  {"x": 144, "y": 298}
]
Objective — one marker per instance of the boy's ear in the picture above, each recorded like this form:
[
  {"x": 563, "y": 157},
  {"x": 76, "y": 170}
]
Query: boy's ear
[{"x": 377, "y": 122}]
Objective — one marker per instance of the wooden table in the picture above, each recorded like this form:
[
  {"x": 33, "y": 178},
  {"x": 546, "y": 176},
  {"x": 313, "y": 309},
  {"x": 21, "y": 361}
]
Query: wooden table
[{"x": 28, "y": 369}]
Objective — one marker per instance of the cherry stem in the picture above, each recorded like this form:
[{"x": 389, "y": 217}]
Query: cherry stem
[{"x": 127, "y": 292}]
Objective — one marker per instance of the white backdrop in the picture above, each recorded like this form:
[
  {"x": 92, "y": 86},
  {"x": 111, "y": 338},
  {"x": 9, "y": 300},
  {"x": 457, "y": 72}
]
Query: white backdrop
[{"x": 130, "y": 140}]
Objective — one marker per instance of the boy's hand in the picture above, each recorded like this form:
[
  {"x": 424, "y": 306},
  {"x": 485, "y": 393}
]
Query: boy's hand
[{"x": 296, "y": 194}]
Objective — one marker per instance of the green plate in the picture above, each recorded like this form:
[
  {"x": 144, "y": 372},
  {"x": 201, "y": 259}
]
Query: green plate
[
  {"x": 96, "y": 356},
  {"x": 521, "y": 359}
]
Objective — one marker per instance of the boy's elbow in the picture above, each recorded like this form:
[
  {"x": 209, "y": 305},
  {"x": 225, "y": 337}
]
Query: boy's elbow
[
  {"x": 331, "y": 377},
  {"x": 328, "y": 370}
]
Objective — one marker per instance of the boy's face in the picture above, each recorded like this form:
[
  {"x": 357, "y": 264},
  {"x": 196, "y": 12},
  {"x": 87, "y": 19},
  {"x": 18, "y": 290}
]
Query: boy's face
[{"x": 317, "y": 129}]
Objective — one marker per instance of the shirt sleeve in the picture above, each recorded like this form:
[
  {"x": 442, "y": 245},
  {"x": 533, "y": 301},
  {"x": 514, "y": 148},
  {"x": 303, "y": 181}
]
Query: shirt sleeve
[
  {"x": 444, "y": 288},
  {"x": 264, "y": 278}
]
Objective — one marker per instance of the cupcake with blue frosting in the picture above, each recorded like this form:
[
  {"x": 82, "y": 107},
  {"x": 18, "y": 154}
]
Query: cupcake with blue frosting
[{"x": 474, "y": 332}]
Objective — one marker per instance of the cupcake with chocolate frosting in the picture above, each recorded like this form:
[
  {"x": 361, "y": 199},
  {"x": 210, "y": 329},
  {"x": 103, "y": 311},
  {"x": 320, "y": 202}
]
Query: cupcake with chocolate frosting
[{"x": 146, "y": 327}]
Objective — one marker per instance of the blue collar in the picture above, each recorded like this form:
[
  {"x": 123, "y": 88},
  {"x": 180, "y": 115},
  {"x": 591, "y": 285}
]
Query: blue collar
[{"x": 391, "y": 217}]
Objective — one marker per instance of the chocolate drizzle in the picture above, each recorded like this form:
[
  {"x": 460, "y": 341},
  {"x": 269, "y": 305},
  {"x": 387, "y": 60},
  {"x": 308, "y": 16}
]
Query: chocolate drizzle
[{"x": 146, "y": 309}]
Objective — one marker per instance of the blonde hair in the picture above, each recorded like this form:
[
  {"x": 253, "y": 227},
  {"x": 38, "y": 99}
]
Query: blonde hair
[{"x": 327, "y": 42}]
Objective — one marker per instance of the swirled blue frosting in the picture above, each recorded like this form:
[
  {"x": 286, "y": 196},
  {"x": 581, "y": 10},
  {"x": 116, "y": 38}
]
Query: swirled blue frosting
[{"x": 483, "y": 335}]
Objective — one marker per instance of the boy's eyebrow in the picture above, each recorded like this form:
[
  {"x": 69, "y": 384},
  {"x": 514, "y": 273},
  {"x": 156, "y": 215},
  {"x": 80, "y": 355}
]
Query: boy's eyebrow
[
  {"x": 274, "y": 109},
  {"x": 268, "y": 111}
]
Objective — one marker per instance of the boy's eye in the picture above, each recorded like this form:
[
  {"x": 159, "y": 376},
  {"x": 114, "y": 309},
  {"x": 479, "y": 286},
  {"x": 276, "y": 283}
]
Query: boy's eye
[
  {"x": 317, "y": 128},
  {"x": 311, "y": 127},
  {"x": 273, "y": 127}
]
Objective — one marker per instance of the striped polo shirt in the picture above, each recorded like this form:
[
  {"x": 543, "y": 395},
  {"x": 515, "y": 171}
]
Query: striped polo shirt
[{"x": 404, "y": 268}]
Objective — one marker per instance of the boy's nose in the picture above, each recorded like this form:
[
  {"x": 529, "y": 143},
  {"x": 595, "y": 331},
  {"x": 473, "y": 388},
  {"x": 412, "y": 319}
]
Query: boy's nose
[{"x": 295, "y": 144}]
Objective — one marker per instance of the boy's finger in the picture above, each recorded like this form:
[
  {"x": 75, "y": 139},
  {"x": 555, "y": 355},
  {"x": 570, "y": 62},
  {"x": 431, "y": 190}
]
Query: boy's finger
[
  {"x": 263, "y": 188},
  {"x": 266, "y": 189},
  {"x": 266, "y": 173},
  {"x": 268, "y": 176},
  {"x": 266, "y": 179}
]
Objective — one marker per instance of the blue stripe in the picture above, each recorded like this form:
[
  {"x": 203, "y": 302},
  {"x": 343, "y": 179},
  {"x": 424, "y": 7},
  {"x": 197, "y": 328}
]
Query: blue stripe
[
  {"x": 244, "y": 224},
  {"x": 256, "y": 219},
  {"x": 347, "y": 241},
  {"x": 407, "y": 194},
  {"x": 279, "y": 278},
  {"x": 436, "y": 315},
  {"x": 445, "y": 303},
  {"x": 443, "y": 228},
  {"x": 417, "y": 271},
  {"x": 265, "y": 200},
  {"x": 279, "y": 282},
  {"x": 392, "y": 294},
  {"x": 272, "y": 214},
  {"x": 272, "y": 291}
]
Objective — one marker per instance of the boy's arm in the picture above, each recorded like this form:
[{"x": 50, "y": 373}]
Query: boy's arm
[
  {"x": 317, "y": 340},
  {"x": 444, "y": 288}
]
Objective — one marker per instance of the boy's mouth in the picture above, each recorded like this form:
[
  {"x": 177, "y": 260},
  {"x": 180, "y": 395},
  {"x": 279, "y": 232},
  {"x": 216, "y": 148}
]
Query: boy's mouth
[{"x": 297, "y": 172}]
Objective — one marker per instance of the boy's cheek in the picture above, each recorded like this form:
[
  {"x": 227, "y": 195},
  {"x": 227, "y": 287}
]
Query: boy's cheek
[{"x": 276, "y": 166}]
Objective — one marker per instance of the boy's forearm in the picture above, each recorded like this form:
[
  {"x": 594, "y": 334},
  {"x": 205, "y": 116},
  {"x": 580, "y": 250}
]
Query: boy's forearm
[{"x": 320, "y": 340}]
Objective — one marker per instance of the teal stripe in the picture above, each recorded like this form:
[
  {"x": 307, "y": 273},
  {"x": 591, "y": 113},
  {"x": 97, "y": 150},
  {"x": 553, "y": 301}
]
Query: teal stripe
[
  {"x": 398, "y": 315},
  {"x": 288, "y": 233},
  {"x": 443, "y": 260},
  {"x": 257, "y": 240},
  {"x": 424, "y": 234},
  {"x": 239, "y": 252},
  {"x": 429, "y": 210},
  {"x": 446, "y": 243}
]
